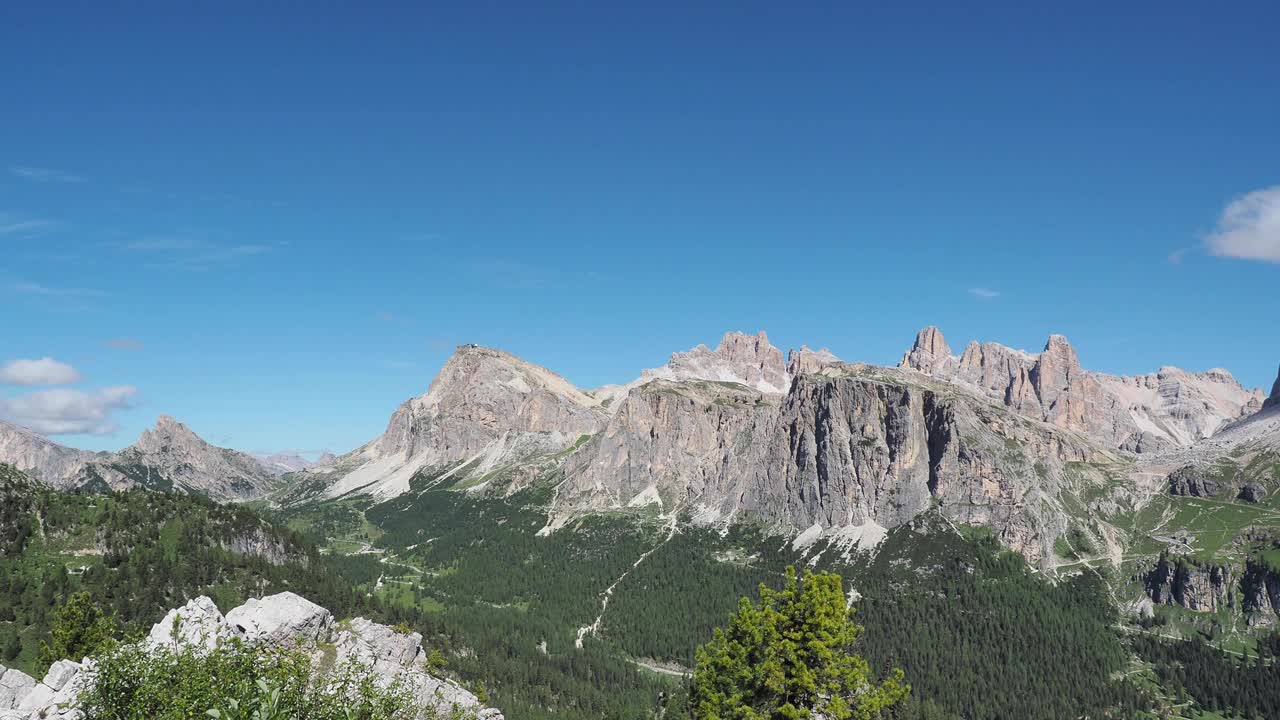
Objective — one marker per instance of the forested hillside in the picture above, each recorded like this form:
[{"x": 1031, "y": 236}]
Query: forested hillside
[
  {"x": 138, "y": 554},
  {"x": 602, "y": 618}
]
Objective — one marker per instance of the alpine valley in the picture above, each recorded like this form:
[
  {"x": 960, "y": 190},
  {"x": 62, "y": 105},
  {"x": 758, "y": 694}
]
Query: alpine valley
[{"x": 1114, "y": 540}]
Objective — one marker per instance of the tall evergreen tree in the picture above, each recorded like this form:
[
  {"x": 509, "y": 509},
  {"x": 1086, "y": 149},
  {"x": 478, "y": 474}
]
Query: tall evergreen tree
[{"x": 791, "y": 657}]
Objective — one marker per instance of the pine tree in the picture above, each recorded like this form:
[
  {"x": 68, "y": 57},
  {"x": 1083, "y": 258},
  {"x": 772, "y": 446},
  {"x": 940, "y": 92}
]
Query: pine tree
[
  {"x": 79, "y": 628},
  {"x": 791, "y": 657}
]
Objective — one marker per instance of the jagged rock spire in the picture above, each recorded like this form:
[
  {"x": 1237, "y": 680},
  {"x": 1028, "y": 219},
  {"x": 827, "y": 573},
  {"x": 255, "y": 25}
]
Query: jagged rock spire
[{"x": 930, "y": 352}]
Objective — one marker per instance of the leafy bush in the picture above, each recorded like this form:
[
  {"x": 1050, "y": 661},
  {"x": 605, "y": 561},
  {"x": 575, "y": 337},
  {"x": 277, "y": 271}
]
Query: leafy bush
[{"x": 236, "y": 682}]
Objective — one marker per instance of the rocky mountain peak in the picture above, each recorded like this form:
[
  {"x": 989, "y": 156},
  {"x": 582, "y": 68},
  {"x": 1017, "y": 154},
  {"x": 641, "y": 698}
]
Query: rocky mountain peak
[
  {"x": 739, "y": 358},
  {"x": 487, "y": 409},
  {"x": 929, "y": 354},
  {"x": 473, "y": 366},
  {"x": 169, "y": 435},
  {"x": 805, "y": 361}
]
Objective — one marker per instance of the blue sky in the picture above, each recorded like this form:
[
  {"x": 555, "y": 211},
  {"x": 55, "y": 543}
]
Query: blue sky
[{"x": 276, "y": 225}]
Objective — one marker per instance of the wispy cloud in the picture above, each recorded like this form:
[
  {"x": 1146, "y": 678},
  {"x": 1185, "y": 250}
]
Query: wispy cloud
[
  {"x": 192, "y": 254},
  {"x": 45, "y": 371},
  {"x": 45, "y": 175},
  {"x": 62, "y": 411},
  {"x": 984, "y": 293},
  {"x": 31, "y": 288},
  {"x": 17, "y": 225},
  {"x": 124, "y": 343},
  {"x": 1177, "y": 256},
  {"x": 1249, "y": 227}
]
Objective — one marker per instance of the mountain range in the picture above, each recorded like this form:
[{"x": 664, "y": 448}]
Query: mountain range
[{"x": 801, "y": 442}]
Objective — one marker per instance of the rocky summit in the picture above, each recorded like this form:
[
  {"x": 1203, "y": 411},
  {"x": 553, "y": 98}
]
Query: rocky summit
[
  {"x": 1141, "y": 413},
  {"x": 285, "y": 620}
]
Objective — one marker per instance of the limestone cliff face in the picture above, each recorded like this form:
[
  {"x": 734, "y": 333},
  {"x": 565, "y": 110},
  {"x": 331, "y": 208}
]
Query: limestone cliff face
[
  {"x": 847, "y": 447},
  {"x": 1260, "y": 588},
  {"x": 1202, "y": 587},
  {"x": 1144, "y": 413},
  {"x": 692, "y": 444},
  {"x": 487, "y": 409}
]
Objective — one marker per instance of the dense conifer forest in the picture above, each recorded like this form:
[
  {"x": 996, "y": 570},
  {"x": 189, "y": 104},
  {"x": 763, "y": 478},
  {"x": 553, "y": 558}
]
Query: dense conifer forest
[{"x": 976, "y": 632}]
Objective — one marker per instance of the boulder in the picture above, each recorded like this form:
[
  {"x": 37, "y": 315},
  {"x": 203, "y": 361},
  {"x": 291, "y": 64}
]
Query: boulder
[
  {"x": 14, "y": 686},
  {"x": 286, "y": 620},
  {"x": 198, "y": 625}
]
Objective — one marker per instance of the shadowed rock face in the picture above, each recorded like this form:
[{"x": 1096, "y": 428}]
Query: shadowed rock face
[{"x": 1274, "y": 400}]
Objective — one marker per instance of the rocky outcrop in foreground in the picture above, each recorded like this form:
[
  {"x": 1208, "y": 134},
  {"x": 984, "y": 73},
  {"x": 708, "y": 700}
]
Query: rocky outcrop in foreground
[{"x": 284, "y": 620}]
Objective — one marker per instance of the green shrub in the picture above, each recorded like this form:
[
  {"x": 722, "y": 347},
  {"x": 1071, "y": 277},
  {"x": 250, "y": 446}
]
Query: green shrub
[{"x": 235, "y": 682}]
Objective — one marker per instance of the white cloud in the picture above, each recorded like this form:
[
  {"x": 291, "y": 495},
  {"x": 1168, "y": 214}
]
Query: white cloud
[
  {"x": 45, "y": 371},
  {"x": 35, "y": 174},
  {"x": 1249, "y": 227},
  {"x": 62, "y": 411},
  {"x": 984, "y": 293}
]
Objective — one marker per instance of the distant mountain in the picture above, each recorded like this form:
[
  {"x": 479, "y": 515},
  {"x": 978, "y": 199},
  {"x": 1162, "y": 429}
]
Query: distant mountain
[
  {"x": 168, "y": 456},
  {"x": 286, "y": 462}
]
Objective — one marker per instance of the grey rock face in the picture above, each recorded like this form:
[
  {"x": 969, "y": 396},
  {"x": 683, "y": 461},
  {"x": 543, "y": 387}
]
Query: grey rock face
[
  {"x": 848, "y": 447},
  {"x": 1194, "y": 481},
  {"x": 284, "y": 620},
  {"x": 1194, "y": 586},
  {"x": 1261, "y": 594}
]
